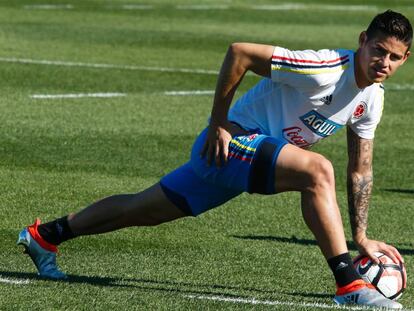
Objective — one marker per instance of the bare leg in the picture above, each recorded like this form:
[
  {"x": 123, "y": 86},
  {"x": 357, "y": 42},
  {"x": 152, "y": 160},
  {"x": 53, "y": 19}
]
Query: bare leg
[
  {"x": 312, "y": 175},
  {"x": 147, "y": 208}
]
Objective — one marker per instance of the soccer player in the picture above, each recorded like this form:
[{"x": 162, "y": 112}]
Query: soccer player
[{"x": 261, "y": 145}]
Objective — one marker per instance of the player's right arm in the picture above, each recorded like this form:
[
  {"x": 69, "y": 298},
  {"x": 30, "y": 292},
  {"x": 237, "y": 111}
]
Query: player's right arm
[{"x": 240, "y": 58}]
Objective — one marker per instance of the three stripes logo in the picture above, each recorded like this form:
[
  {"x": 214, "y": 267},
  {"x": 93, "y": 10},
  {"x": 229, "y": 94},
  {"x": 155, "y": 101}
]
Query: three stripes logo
[
  {"x": 353, "y": 298},
  {"x": 342, "y": 265},
  {"x": 327, "y": 100}
]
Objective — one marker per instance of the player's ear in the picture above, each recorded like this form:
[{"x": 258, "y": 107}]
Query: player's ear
[
  {"x": 407, "y": 54},
  {"x": 362, "y": 38}
]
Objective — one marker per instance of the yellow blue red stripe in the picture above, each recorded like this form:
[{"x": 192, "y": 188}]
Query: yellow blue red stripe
[
  {"x": 239, "y": 150},
  {"x": 306, "y": 66},
  {"x": 311, "y": 71}
]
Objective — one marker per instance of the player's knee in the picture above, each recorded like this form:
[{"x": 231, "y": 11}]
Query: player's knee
[
  {"x": 321, "y": 173},
  {"x": 155, "y": 219}
]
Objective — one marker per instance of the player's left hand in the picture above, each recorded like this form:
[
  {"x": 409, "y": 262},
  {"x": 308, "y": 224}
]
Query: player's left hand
[{"x": 368, "y": 247}]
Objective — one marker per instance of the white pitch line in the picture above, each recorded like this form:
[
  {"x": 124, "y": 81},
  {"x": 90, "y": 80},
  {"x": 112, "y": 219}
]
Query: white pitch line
[
  {"x": 16, "y": 282},
  {"x": 388, "y": 86},
  {"x": 280, "y": 7},
  {"x": 268, "y": 7},
  {"x": 399, "y": 87},
  {"x": 254, "y": 301},
  {"x": 48, "y": 7},
  {"x": 302, "y": 6},
  {"x": 357, "y": 8},
  {"x": 104, "y": 66},
  {"x": 137, "y": 7},
  {"x": 186, "y": 93},
  {"x": 79, "y": 95},
  {"x": 202, "y": 7}
]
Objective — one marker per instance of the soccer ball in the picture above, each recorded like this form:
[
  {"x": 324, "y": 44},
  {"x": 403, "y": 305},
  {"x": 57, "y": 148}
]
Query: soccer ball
[{"x": 389, "y": 278}]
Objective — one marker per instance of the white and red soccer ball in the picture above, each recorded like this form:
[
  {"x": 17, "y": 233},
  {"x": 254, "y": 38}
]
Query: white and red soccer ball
[{"x": 389, "y": 278}]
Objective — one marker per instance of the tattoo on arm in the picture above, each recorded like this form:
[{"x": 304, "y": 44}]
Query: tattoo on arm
[
  {"x": 359, "y": 194},
  {"x": 360, "y": 181}
]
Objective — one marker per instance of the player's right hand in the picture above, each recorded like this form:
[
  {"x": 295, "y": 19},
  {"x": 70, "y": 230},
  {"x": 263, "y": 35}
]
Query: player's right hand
[
  {"x": 369, "y": 247},
  {"x": 217, "y": 143}
]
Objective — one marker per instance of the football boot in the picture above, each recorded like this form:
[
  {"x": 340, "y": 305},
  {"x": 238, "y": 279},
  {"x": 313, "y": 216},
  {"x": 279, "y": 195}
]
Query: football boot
[
  {"x": 42, "y": 253},
  {"x": 361, "y": 293}
]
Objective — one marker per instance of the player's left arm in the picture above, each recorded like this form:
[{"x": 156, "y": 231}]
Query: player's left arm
[{"x": 359, "y": 184}]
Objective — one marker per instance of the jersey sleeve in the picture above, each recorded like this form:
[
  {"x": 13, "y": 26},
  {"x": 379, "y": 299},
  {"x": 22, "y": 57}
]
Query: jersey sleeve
[
  {"x": 309, "y": 71},
  {"x": 366, "y": 126}
]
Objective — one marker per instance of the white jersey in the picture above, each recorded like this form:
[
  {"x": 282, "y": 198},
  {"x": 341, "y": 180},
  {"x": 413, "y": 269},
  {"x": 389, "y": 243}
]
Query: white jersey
[{"x": 310, "y": 96}]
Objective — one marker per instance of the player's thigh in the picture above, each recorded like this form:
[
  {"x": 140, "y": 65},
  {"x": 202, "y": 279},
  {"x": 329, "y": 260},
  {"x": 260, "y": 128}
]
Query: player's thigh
[
  {"x": 297, "y": 169},
  {"x": 192, "y": 194}
]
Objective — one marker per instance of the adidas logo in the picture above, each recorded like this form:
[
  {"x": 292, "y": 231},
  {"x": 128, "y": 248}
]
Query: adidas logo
[
  {"x": 327, "y": 99},
  {"x": 352, "y": 298},
  {"x": 59, "y": 229},
  {"x": 341, "y": 265}
]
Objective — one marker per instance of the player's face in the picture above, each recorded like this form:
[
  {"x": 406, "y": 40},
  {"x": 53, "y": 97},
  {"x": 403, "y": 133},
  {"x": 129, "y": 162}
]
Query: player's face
[{"x": 378, "y": 58}]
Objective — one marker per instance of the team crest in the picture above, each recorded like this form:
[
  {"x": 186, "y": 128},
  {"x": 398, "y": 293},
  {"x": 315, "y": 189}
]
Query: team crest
[{"x": 360, "y": 110}]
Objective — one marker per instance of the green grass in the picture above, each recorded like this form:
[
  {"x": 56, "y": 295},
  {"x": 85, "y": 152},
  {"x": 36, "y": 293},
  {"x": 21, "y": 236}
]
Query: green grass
[{"x": 57, "y": 156}]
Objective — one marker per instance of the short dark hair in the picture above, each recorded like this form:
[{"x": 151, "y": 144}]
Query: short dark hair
[{"x": 392, "y": 24}]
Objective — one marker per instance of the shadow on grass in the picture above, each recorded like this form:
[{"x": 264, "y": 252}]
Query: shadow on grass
[
  {"x": 92, "y": 280},
  {"x": 295, "y": 240},
  {"x": 183, "y": 288},
  {"x": 408, "y": 191}
]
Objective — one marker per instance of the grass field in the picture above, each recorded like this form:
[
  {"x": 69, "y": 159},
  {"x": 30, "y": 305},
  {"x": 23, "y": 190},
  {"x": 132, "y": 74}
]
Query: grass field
[{"x": 58, "y": 155}]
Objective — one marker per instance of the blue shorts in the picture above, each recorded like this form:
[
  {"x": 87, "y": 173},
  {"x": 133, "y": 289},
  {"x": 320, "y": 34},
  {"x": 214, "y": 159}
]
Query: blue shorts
[{"x": 196, "y": 187}]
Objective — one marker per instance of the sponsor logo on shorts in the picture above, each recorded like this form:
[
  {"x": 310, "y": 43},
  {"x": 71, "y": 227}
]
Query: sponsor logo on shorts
[
  {"x": 319, "y": 124},
  {"x": 292, "y": 134},
  {"x": 360, "y": 110}
]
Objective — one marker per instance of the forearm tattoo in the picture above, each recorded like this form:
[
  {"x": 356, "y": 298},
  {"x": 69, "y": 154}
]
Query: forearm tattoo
[
  {"x": 360, "y": 181},
  {"x": 359, "y": 194}
]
